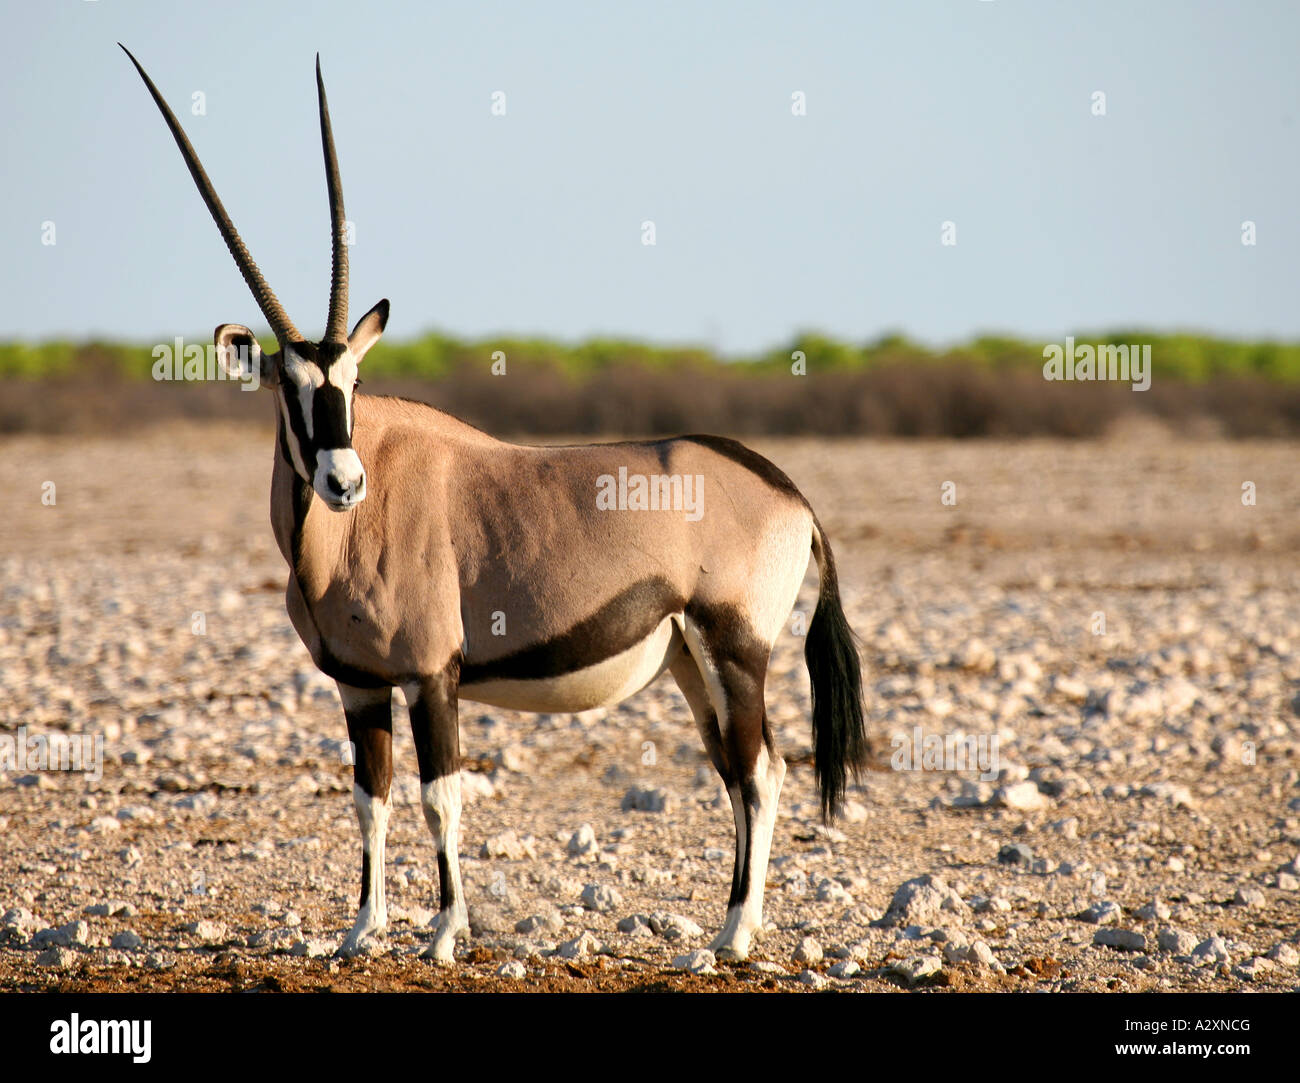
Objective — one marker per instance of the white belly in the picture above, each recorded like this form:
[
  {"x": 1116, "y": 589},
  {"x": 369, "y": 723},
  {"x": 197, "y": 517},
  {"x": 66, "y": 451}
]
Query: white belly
[{"x": 602, "y": 685}]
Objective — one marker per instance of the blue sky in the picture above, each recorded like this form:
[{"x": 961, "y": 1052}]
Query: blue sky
[{"x": 976, "y": 112}]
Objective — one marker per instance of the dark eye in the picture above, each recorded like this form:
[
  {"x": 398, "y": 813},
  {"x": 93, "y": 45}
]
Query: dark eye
[{"x": 357, "y": 382}]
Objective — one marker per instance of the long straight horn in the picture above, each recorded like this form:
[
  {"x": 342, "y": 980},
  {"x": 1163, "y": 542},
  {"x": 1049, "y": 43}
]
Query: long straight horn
[
  {"x": 336, "y": 326},
  {"x": 271, "y": 308}
]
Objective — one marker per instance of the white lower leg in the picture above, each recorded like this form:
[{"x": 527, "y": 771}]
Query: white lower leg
[
  {"x": 771, "y": 775},
  {"x": 372, "y": 816},
  {"x": 746, "y": 917},
  {"x": 441, "y": 800},
  {"x": 733, "y": 942}
]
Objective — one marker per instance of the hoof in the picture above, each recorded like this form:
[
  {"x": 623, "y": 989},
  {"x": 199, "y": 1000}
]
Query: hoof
[
  {"x": 726, "y": 953},
  {"x": 732, "y": 944},
  {"x": 365, "y": 945},
  {"x": 362, "y": 940},
  {"x": 441, "y": 954},
  {"x": 452, "y": 925}
]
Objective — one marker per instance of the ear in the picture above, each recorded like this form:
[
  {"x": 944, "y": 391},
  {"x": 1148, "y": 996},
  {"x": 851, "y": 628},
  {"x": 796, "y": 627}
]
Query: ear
[
  {"x": 241, "y": 357},
  {"x": 368, "y": 329}
]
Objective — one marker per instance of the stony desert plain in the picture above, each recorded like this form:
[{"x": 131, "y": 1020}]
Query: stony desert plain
[{"x": 1115, "y": 623}]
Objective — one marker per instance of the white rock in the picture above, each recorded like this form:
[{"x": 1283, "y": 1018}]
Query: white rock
[
  {"x": 980, "y": 954},
  {"x": 1155, "y": 910},
  {"x": 917, "y": 968},
  {"x": 1285, "y": 954},
  {"x": 1075, "y": 691},
  {"x": 550, "y": 922},
  {"x": 579, "y": 947},
  {"x": 977, "y": 954},
  {"x": 18, "y": 923},
  {"x": 845, "y": 968},
  {"x": 312, "y": 949},
  {"x": 1124, "y": 939},
  {"x": 812, "y": 978},
  {"x": 515, "y": 758},
  {"x": 648, "y": 799},
  {"x": 973, "y": 794},
  {"x": 108, "y": 909},
  {"x": 1102, "y": 913},
  {"x": 1067, "y": 828},
  {"x": 207, "y": 932},
  {"x": 126, "y": 941},
  {"x": 636, "y": 925},
  {"x": 1253, "y": 970},
  {"x": 1168, "y": 791},
  {"x": 203, "y": 802},
  {"x": 43, "y": 938},
  {"x": 1176, "y": 941},
  {"x": 1249, "y": 896},
  {"x": 674, "y": 926},
  {"x": 832, "y": 891},
  {"x": 57, "y": 958},
  {"x": 808, "y": 951},
  {"x": 601, "y": 897},
  {"x": 508, "y": 845},
  {"x": 995, "y": 905},
  {"x": 1213, "y": 950},
  {"x": 922, "y": 901},
  {"x": 700, "y": 961},
  {"x": 583, "y": 842},
  {"x": 513, "y": 969},
  {"x": 1024, "y": 796},
  {"x": 277, "y": 939},
  {"x": 76, "y": 934},
  {"x": 764, "y": 966}
]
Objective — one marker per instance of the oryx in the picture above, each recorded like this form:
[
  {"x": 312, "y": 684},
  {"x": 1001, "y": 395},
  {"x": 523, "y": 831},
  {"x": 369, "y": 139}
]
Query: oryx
[{"x": 425, "y": 554}]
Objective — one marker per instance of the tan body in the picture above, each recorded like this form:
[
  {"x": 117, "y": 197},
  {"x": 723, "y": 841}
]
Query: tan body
[
  {"x": 478, "y": 569},
  {"x": 470, "y": 546}
]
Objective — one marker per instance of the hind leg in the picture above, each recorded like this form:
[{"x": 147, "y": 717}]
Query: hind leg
[
  {"x": 726, "y": 696},
  {"x": 687, "y": 674},
  {"x": 436, "y": 729},
  {"x": 370, "y": 729}
]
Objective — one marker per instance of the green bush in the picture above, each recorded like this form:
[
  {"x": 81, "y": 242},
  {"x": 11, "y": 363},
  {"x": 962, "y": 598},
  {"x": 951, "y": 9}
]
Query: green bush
[{"x": 434, "y": 356}]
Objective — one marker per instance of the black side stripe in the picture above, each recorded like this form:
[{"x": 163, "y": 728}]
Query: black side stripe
[{"x": 621, "y": 623}]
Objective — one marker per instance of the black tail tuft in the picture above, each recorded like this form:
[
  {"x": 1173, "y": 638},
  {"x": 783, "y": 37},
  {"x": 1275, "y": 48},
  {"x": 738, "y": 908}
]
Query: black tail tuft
[{"x": 835, "y": 673}]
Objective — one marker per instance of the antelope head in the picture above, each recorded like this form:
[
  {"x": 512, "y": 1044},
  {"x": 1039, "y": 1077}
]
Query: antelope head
[{"x": 314, "y": 382}]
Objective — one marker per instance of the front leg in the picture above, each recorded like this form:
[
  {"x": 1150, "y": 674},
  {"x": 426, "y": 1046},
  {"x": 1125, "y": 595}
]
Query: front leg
[
  {"x": 435, "y": 727},
  {"x": 369, "y": 713}
]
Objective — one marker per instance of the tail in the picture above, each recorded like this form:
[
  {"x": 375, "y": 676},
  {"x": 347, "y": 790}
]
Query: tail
[{"x": 839, "y": 732}]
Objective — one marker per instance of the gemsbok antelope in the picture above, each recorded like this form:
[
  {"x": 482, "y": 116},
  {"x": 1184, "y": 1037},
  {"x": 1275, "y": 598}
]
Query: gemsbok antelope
[{"x": 406, "y": 531}]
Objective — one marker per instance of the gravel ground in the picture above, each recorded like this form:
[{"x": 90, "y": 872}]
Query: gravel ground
[{"x": 1111, "y": 612}]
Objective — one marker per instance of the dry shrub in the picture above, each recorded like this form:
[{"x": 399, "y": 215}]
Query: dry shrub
[{"x": 899, "y": 400}]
